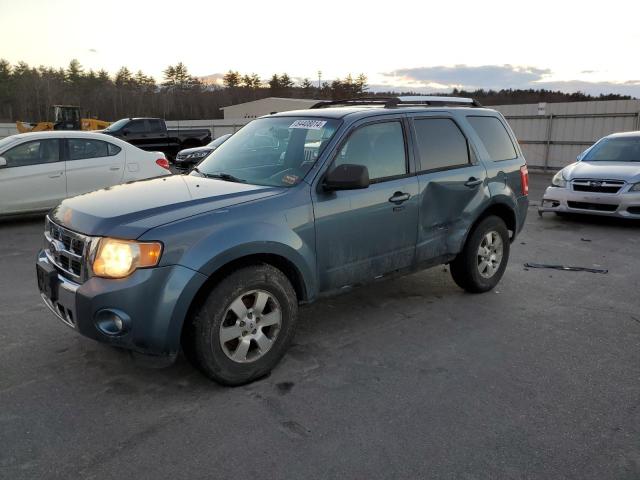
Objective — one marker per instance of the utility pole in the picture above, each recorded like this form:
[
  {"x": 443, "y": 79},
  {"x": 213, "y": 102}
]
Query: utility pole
[{"x": 319, "y": 79}]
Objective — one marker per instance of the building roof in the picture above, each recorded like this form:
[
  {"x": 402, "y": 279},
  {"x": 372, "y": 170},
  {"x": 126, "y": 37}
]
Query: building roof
[{"x": 299, "y": 100}]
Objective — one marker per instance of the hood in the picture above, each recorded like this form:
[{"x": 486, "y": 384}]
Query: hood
[
  {"x": 627, "y": 171},
  {"x": 129, "y": 210}
]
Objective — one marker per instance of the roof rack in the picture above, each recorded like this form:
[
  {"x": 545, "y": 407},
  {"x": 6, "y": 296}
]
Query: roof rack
[{"x": 404, "y": 101}]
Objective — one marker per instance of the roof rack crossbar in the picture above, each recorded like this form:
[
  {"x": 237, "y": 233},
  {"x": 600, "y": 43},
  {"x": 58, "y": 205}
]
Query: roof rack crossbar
[{"x": 402, "y": 101}]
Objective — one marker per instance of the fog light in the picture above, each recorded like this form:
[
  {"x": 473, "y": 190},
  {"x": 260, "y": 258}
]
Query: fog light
[
  {"x": 112, "y": 322},
  {"x": 117, "y": 321}
]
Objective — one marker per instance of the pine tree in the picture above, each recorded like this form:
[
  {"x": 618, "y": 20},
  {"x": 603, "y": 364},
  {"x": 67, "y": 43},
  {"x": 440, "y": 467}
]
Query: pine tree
[{"x": 231, "y": 79}]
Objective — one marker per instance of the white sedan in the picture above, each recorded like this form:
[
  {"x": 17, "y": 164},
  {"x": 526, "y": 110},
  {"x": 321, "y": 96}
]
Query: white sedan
[{"x": 38, "y": 170}]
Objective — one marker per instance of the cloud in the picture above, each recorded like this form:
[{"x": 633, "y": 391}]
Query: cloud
[
  {"x": 485, "y": 76},
  {"x": 93, "y": 50},
  {"x": 442, "y": 78},
  {"x": 213, "y": 79}
]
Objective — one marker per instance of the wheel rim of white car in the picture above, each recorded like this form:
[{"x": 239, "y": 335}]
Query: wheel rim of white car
[
  {"x": 490, "y": 254},
  {"x": 250, "y": 327}
]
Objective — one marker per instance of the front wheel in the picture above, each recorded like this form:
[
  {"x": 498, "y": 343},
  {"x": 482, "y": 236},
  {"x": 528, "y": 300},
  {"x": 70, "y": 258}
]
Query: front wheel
[
  {"x": 481, "y": 264},
  {"x": 244, "y": 326}
]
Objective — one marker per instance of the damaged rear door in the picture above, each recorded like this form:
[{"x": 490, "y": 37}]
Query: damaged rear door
[{"x": 452, "y": 182}]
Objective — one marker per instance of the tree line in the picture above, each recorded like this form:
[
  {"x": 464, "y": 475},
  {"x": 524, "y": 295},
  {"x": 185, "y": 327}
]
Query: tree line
[{"x": 27, "y": 92}]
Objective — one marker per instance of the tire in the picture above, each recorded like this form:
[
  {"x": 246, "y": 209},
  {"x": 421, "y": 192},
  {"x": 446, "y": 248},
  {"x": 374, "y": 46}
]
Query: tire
[
  {"x": 467, "y": 268},
  {"x": 217, "y": 333}
]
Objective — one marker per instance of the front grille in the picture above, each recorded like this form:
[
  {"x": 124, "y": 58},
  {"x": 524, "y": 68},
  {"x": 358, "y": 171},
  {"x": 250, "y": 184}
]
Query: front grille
[
  {"x": 599, "y": 207},
  {"x": 597, "y": 186},
  {"x": 66, "y": 250}
]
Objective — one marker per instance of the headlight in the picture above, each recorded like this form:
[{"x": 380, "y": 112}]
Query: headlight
[
  {"x": 120, "y": 258},
  {"x": 196, "y": 155},
  {"x": 558, "y": 180},
  {"x": 635, "y": 188}
]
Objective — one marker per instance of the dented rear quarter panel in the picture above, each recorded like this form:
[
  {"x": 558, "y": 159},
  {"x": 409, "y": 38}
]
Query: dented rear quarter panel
[{"x": 503, "y": 177}]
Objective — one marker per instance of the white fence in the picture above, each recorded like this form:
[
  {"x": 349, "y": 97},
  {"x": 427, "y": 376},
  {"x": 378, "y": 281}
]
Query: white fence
[{"x": 552, "y": 135}]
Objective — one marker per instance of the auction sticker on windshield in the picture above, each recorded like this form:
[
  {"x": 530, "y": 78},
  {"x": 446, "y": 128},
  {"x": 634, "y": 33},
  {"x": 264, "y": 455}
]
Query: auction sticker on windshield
[{"x": 308, "y": 124}]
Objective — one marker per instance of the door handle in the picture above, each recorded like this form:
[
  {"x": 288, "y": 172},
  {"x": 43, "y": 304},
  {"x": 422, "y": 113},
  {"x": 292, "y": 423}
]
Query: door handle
[
  {"x": 399, "y": 197},
  {"x": 114, "y": 168},
  {"x": 55, "y": 175},
  {"x": 472, "y": 182}
]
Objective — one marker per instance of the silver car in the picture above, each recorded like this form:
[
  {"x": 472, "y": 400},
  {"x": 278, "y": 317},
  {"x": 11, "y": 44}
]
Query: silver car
[{"x": 605, "y": 180}]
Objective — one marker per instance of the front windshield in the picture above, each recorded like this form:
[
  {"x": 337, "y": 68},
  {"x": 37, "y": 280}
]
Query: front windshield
[
  {"x": 116, "y": 125},
  {"x": 274, "y": 151},
  {"x": 616, "y": 149}
]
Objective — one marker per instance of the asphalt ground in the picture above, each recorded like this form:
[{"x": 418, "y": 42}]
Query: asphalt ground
[{"x": 409, "y": 378}]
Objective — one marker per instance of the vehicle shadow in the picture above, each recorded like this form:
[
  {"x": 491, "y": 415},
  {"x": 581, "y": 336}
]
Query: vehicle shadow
[
  {"x": 22, "y": 220},
  {"x": 595, "y": 220},
  {"x": 325, "y": 328}
]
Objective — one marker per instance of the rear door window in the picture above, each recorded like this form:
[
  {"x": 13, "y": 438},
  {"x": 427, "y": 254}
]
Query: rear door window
[
  {"x": 441, "y": 144},
  {"x": 155, "y": 126},
  {"x": 494, "y": 137},
  {"x": 137, "y": 126},
  {"x": 82, "y": 148}
]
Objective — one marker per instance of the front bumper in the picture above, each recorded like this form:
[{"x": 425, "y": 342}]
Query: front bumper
[
  {"x": 155, "y": 302},
  {"x": 565, "y": 200}
]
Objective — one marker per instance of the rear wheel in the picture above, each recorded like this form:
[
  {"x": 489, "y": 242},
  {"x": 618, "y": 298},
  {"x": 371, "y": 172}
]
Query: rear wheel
[
  {"x": 481, "y": 264},
  {"x": 244, "y": 326}
]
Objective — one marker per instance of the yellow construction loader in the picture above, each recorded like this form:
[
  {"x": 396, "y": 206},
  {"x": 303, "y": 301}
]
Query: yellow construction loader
[{"x": 65, "y": 117}]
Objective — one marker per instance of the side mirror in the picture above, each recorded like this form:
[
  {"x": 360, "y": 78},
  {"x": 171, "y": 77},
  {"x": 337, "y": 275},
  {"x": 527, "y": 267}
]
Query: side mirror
[
  {"x": 125, "y": 131},
  {"x": 3, "y": 162},
  {"x": 347, "y": 177}
]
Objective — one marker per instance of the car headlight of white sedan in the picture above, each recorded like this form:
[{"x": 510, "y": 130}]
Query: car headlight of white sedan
[
  {"x": 197, "y": 155},
  {"x": 558, "y": 180},
  {"x": 635, "y": 188}
]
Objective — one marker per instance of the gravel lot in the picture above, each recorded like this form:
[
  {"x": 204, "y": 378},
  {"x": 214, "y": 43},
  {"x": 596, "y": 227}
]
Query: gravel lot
[{"x": 411, "y": 378}]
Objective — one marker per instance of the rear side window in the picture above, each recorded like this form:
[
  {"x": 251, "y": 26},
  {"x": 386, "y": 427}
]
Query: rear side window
[
  {"x": 113, "y": 149},
  {"x": 379, "y": 147},
  {"x": 441, "y": 144},
  {"x": 81, "y": 148},
  {"x": 495, "y": 138},
  {"x": 33, "y": 153},
  {"x": 155, "y": 126},
  {"x": 137, "y": 126}
]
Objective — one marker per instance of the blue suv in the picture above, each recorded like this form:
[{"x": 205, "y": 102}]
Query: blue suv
[{"x": 294, "y": 206}]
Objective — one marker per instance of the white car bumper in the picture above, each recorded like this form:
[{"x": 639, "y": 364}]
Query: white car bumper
[{"x": 623, "y": 204}]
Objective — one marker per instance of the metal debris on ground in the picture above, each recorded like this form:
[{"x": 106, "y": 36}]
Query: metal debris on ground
[{"x": 566, "y": 268}]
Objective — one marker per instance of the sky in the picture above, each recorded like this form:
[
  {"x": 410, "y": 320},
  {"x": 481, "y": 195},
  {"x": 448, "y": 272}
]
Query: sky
[{"x": 423, "y": 45}]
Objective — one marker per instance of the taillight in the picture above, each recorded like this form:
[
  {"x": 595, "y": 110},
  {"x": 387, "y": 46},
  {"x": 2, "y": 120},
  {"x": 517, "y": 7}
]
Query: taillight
[
  {"x": 163, "y": 162},
  {"x": 524, "y": 179}
]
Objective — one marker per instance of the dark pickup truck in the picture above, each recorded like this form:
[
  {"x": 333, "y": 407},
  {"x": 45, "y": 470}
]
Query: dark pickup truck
[{"x": 152, "y": 134}]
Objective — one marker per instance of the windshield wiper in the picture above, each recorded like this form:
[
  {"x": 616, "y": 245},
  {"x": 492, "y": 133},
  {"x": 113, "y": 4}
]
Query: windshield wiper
[{"x": 221, "y": 176}]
